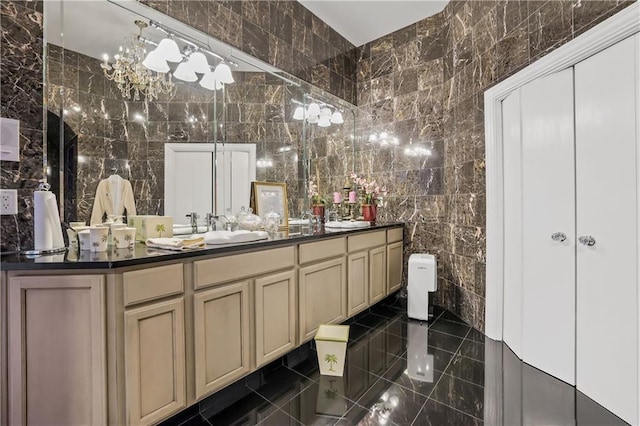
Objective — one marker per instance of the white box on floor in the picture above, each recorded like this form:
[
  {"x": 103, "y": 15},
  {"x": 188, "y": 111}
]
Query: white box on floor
[
  {"x": 422, "y": 278},
  {"x": 331, "y": 344}
]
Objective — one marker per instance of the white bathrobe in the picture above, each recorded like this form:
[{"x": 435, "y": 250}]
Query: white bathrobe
[{"x": 113, "y": 196}]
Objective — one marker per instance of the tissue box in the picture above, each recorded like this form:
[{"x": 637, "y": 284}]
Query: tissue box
[{"x": 148, "y": 226}]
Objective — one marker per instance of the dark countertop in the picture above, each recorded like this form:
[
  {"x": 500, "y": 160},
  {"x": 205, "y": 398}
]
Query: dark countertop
[{"x": 140, "y": 254}]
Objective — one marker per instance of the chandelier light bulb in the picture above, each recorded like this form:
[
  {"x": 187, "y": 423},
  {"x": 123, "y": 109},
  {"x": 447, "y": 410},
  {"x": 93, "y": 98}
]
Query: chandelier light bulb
[
  {"x": 312, "y": 119},
  {"x": 298, "y": 114},
  {"x": 184, "y": 72},
  {"x": 155, "y": 62},
  {"x": 169, "y": 50},
  {"x": 209, "y": 82},
  {"x": 314, "y": 109},
  {"x": 324, "y": 121},
  {"x": 223, "y": 73},
  {"x": 325, "y": 112},
  {"x": 337, "y": 118},
  {"x": 198, "y": 63}
]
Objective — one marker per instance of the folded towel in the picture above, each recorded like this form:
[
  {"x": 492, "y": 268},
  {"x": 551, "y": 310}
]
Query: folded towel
[
  {"x": 233, "y": 237},
  {"x": 177, "y": 244}
]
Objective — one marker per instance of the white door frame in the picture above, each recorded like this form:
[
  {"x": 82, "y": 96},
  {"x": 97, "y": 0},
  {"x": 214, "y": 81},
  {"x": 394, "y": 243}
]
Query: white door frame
[{"x": 598, "y": 38}]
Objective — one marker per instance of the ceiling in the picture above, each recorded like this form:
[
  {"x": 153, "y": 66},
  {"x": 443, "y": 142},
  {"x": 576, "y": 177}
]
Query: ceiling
[{"x": 361, "y": 21}]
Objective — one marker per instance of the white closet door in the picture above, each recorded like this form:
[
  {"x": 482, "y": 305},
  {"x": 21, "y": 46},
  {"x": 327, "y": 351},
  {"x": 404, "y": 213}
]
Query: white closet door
[
  {"x": 548, "y": 320},
  {"x": 607, "y": 281},
  {"x": 512, "y": 152}
]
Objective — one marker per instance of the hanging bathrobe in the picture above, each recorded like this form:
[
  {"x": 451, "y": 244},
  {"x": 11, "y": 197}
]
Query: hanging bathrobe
[{"x": 113, "y": 196}]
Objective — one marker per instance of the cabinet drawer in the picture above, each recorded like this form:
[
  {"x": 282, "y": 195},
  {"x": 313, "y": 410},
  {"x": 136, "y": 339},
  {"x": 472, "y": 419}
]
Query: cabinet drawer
[
  {"x": 152, "y": 283},
  {"x": 326, "y": 249},
  {"x": 365, "y": 241},
  {"x": 394, "y": 235},
  {"x": 222, "y": 269}
]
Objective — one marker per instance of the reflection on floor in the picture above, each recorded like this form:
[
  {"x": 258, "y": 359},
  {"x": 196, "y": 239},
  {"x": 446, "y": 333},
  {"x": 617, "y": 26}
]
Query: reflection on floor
[{"x": 404, "y": 372}]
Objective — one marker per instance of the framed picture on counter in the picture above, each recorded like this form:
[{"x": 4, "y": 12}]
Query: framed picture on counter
[{"x": 266, "y": 196}]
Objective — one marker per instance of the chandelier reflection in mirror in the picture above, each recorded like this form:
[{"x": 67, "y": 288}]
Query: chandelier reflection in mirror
[
  {"x": 317, "y": 112},
  {"x": 131, "y": 76},
  {"x": 140, "y": 73}
]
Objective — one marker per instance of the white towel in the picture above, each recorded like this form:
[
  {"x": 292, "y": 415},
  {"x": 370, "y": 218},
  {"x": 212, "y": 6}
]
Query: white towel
[
  {"x": 233, "y": 237},
  {"x": 176, "y": 244}
]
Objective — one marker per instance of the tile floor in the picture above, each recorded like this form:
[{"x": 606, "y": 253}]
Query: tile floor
[{"x": 405, "y": 372}]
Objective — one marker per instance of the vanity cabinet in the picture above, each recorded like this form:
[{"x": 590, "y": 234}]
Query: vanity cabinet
[
  {"x": 155, "y": 361},
  {"x": 377, "y": 274},
  {"x": 275, "y": 316},
  {"x": 358, "y": 282},
  {"x": 221, "y": 336},
  {"x": 323, "y": 296},
  {"x": 56, "y": 359},
  {"x": 394, "y": 266}
]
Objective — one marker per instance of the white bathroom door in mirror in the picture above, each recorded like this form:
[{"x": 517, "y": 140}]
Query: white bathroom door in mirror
[
  {"x": 236, "y": 171},
  {"x": 192, "y": 180}
]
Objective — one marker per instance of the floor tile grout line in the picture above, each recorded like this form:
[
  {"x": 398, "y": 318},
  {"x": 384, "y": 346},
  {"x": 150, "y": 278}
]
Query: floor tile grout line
[
  {"x": 455, "y": 409},
  {"x": 438, "y": 382}
]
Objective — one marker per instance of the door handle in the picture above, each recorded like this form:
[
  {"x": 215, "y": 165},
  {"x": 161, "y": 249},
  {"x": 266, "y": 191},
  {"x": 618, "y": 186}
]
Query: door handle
[
  {"x": 587, "y": 240},
  {"x": 558, "y": 236}
]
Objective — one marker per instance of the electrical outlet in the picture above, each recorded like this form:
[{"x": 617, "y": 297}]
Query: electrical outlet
[{"x": 8, "y": 201}]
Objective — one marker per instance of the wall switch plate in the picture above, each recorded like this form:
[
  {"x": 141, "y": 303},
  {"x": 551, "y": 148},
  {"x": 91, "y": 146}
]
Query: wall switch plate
[{"x": 8, "y": 201}]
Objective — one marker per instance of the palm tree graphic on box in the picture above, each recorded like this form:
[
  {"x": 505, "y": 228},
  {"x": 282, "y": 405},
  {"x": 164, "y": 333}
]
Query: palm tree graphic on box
[
  {"x": 331, "y": 359},
  {"x": 160, "y": 229}
]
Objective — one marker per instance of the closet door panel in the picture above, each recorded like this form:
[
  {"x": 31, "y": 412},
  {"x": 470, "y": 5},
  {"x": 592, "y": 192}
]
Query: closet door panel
[
  {"x": 548, "y": 206},
  {"x": 512, "y": 151},
  {"x": 607, "y": 282}
]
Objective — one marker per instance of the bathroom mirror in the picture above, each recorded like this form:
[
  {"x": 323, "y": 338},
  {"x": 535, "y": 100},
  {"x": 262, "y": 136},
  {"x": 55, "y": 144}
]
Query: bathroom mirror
[{"x": 94, "y": 131}]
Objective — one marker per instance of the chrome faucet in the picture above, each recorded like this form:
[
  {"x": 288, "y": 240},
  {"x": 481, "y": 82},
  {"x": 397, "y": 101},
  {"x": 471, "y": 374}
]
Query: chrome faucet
[
  {"x": 194, "y": 221},
  {"x": 212, "y": 222}
]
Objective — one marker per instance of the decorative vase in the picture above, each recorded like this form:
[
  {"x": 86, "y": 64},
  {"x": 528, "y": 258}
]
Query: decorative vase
[
  {"x": 369, "y": 212},
  {"x": 318, "y": 210}
]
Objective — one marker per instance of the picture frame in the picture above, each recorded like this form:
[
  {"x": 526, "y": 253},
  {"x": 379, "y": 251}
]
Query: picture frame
[{"x": 268, "y": 195}]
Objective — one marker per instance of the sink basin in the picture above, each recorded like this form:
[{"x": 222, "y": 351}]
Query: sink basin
[{"x": 347, "y": 224}]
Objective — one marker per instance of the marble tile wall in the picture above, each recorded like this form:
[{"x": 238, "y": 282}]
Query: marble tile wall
[
  {"x": 128, "y": 136},
  {"x": 425, "y": 84},
  {"x": 282, "y": 33},
  {"x": 21, "y": 91}
]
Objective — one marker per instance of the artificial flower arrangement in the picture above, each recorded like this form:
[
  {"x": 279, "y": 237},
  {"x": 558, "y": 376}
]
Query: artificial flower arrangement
[
  {"x": 371, "y": 192},
  {"x": 314, "y": 195}
]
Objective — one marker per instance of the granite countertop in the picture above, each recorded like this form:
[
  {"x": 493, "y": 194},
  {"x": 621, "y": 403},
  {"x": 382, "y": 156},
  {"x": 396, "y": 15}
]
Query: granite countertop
[{"x": 141, "y": 254}]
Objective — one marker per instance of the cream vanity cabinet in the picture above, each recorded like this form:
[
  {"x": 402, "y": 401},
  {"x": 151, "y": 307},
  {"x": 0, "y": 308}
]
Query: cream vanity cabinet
[
  {"x": 366, "y": 270},
  {"x": 322, "y": 285},
  {"x": 56, "y": 356},
  {"x": 244, "y": 315},
  {"x": 154, "y": 343},
  {"x": 395, "y": 260}
]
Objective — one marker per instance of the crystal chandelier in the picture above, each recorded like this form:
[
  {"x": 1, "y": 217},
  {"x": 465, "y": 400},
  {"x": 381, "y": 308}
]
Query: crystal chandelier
[{"x": 134, "y": 79}]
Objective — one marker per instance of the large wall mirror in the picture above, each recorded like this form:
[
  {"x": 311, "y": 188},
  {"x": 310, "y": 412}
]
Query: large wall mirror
[{"x": 183, "y": 145}]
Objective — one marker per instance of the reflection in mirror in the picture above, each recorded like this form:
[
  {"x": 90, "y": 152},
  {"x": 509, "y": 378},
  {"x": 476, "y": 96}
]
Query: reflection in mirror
[{"x": 102, "y": 132}]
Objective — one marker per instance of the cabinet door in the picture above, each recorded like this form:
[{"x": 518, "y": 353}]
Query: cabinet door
[
  {"x": 155, "y": 361},
  {"x": 377, "y": 274},
  {"x": 358, "y": 282},
  {"x": 275, "y": 316},
  {"x": 394, "y": 267},
  {"x": 607, "y": 204},
  {"x": 57, "y": 353},
  {"x": 323, "y": 296},
  {"x": 221, "y": 335}
]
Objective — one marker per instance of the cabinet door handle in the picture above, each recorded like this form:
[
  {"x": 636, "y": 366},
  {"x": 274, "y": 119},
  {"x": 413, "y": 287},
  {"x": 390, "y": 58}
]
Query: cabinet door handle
[
  {"x": 587, "y": 240},
  {"x": 558, "y": 236}
]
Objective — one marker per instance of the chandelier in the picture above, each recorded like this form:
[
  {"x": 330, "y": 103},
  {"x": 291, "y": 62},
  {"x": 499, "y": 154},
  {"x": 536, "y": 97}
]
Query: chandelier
[
  {"x": 132, "y": 78},
  {"x": 317, "y": 112}
]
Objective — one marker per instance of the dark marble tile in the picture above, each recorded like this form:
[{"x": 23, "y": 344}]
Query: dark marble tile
[
  {"x": 435, "y": 414},
  {"x": 225, "y": 24},
  {"x": 445, "y": 342},
  {"x": 454, "y": 328},
  {"x": 512, "y": 51},
  {"x": 255, "y": 40},
  {"x": 467, "y": 369},
  {"x": 549, "y": 26},
  {"x": 461, "y": 395},
  {"x": 473, "y": 349}
]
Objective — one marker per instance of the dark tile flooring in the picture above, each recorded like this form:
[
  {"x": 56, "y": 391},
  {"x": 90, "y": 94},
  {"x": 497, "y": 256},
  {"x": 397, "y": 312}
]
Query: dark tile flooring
[{"x": 404, "y": 372}]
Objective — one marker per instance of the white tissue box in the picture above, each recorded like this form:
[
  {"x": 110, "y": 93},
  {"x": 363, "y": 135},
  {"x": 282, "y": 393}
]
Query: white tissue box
[{"x": 148, "y": 226}]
